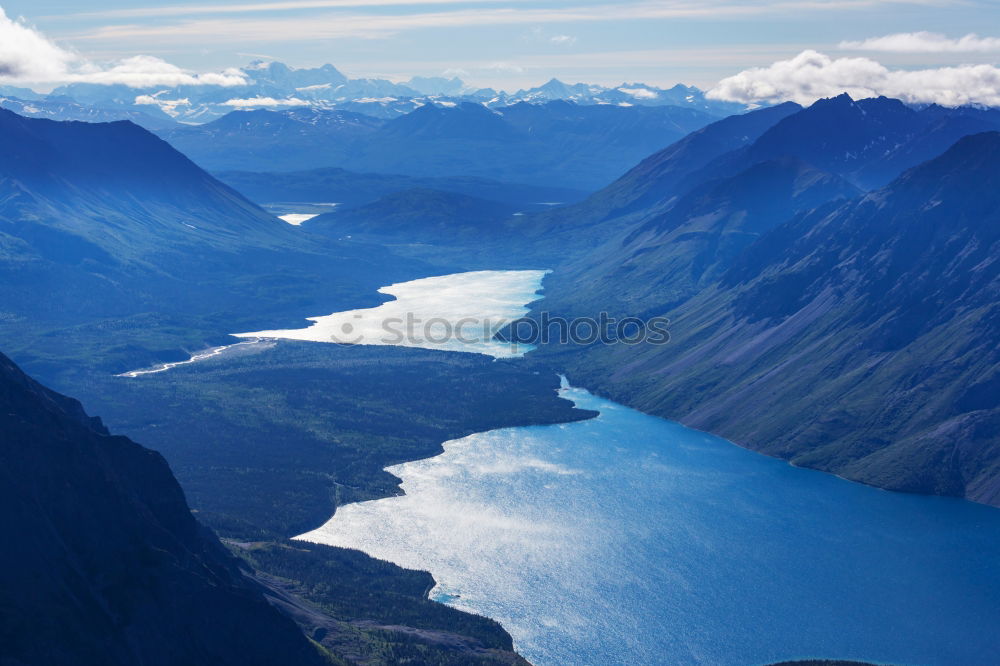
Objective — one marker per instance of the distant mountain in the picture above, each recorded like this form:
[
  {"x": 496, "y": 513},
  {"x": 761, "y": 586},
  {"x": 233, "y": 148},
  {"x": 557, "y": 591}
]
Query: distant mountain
[
  {"x": 55, "y": 108},
  {"x": 276, "y": 76},
  {"x": 19, "y": 93},
  {"x": 554, "y": 145},
  {"x": 104, "y": 562},
  {"x": 627, "y": 94},
  {"x": 857, "y": 338},
  {"x": 335, "y": 185},
  {"x": 271, "y": 84}
]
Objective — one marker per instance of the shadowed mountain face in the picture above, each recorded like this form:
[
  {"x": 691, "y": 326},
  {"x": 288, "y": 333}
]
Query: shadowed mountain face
[
  {"x": 859, "y": 338},
  {"x": 869, "y": 142},
  {"x": 672, "y": 255},
  {"x": 104, "y": 563}
]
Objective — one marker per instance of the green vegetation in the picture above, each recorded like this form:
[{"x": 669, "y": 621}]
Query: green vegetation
[
  {"x": 349, "y": 584},
  {"x": 269, "y": 440}
]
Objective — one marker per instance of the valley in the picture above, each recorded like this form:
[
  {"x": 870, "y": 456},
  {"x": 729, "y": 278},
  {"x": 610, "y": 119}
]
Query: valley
[{"x": 832, "y": 303}]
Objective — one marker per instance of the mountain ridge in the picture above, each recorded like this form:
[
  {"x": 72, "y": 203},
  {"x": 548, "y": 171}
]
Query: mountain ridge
[
  {"x": 856, "y": 338},
  {"x": 109, "y": 566}
]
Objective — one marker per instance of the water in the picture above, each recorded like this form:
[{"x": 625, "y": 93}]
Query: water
[
  {"x": 632, "y": 540},
  {"x": 212, "y": 352},
  {"x": 296, "y": 219},
  {"x": 295, "y": 213},
  {"x": 458, "y": 312}
]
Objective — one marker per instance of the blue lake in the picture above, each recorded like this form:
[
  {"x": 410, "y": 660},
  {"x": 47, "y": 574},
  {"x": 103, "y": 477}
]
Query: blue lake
[{"x": 629, "y": 539}]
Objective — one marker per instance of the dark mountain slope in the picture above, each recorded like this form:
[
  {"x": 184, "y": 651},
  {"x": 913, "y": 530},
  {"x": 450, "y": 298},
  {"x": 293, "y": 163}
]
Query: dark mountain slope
[
  {"x": 671, "y": 256},
  {"x": 869, "y": 142},
  {"x": 860, "y": 339},
  {"x": 104, "y": 563}
]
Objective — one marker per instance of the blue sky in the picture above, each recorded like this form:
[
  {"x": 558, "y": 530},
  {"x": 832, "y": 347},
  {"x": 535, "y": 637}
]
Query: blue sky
[{"x": 510, "y": 44}]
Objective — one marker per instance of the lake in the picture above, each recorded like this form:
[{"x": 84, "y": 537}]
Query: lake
[
  {"x": 629, "y": 539},
  {"x": 458, "y": 312}
]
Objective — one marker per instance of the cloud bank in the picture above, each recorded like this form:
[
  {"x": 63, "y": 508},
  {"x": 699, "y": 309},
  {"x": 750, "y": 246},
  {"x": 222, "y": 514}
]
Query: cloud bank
[
  {"x": 26, "y": 55},
  {"x": 811, "y": 75},
  {"x": 925, "y": 42}
]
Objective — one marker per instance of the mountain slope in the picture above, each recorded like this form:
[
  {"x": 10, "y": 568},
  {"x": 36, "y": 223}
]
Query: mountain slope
[
  {"x": 869, "y": 142},
  {"x": 657, "y": 178},
  {"x": 859, "y": 338},
  {"x": 670, "y": 256},
  {"x": 105, "y": 563},
  {"x": 866, "y": 143},
  {"x": 104, "y": 226}
]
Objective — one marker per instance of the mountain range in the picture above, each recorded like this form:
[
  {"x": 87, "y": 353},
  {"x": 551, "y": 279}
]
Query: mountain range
[
  {"x": 275, "y": 84},
  {"x": 839, "y": 283},
  {"x": 103, "y": 226},
  {"x": 817, "y": 314},
  {"x": 555, "y": 144}
]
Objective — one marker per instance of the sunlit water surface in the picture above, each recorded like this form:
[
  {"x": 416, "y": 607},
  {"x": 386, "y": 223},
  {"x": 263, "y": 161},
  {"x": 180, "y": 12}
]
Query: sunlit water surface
[
  {"x": 457, "y": 312},
  {"x": 632, "y": 540}
]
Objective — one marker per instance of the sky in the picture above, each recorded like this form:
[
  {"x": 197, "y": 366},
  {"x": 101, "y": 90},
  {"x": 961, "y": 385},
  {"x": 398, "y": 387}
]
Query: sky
[{"x": 761, "y": 49}]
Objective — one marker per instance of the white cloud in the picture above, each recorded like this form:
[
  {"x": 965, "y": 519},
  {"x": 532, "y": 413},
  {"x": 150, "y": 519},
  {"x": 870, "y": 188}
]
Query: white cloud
[
  {"x": 168, "y": 106},
  {"x": 925, "y": 42},
  {"x": 287, "y": 5},
  {"x": 562, "y": 40},
  {"x": 450, "y": 14},
  {"x": 640, "y": 93},
  {"x": 810, "y": 76},
  {"x": 253, "y": 102},
  {"x": 26, "y": 55}
]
